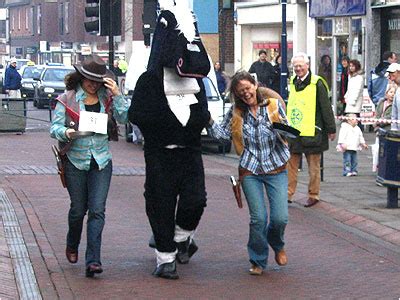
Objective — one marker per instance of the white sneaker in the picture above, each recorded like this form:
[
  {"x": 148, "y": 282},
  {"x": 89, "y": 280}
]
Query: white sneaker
[
  {"x": 354, "y": 174},
  {"x": 349, "y": 174}
]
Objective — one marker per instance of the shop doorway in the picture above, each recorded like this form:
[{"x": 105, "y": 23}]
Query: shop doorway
[
  {"x": 350, "y": 42},
  {"x": 342, "y": 52}
]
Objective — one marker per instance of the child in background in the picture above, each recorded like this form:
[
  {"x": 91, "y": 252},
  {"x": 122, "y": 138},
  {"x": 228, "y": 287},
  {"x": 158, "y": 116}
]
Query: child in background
[
  {"x": 384, "y": 107},
  {"x": 350, "y": 141}
]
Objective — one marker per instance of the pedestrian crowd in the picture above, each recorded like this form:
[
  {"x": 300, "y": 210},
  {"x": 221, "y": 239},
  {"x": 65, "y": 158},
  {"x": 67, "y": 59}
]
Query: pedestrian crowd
[{"x": 269, "y": 135}]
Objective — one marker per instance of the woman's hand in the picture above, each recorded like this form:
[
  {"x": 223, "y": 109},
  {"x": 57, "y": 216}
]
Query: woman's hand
[
  {"x": 112, "y": 86},
  {"x": 68, "y": 132}
]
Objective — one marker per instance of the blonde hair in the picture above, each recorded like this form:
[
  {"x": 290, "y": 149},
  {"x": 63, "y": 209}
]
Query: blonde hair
[{"x": 390, "y": 86}]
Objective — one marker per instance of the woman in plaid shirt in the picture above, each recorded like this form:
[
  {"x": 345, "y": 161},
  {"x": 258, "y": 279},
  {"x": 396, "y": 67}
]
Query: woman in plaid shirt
[{"x": 263, "y": 157}]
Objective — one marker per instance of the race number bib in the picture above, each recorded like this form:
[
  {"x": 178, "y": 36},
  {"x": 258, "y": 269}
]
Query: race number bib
[{"x": 92, "y": 121}]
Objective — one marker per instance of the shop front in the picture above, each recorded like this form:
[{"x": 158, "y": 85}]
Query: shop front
[
  {"x": 340, "y": 32},
  {"x": 254, "y": 31},
  {"x": 389, "y": 12}
]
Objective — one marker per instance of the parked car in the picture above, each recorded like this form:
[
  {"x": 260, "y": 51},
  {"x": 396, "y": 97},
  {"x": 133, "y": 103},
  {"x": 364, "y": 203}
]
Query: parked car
[
  {"x": 28, "y": 83},
  {"x": 49, "y": 84}
]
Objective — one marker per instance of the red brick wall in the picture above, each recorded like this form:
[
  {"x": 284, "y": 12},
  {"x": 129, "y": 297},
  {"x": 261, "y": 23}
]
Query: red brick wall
[{"x": 226, "y": 33}]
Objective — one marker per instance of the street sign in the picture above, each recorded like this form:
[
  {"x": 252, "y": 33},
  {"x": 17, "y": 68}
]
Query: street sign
[
  {"x": 367, "y": 108},
  {"x": 66, "y": 45}
]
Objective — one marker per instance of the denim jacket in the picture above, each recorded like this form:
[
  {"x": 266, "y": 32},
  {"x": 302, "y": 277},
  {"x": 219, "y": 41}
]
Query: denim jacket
[{"x": 96, "y": 146}]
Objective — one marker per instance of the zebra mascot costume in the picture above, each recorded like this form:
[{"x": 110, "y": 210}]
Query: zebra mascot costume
[{"x": 169, "y": 106}]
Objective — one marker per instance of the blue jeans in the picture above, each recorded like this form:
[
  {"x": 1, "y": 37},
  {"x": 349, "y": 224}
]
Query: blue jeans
[
  {"x": 88, "y": 192},
  {"x": 261, "y": 233},
  {"x": 350, "y": 161}
]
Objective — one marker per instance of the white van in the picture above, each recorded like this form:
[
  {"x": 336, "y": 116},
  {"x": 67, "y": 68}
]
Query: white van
[{"x": 217, "y": 108}]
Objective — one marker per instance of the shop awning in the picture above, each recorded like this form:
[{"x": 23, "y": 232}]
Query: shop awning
[{"x": 270, "y": 45}]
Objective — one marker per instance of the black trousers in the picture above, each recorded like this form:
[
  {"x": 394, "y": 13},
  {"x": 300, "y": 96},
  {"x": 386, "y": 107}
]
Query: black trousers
[{"x": 174, "y": 192}]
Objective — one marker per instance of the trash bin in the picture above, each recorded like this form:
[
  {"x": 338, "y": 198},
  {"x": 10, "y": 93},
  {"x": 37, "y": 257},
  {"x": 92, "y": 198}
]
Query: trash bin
[
  {"x": 389, "y": 164},
  {"x": 12, "y": 115}
]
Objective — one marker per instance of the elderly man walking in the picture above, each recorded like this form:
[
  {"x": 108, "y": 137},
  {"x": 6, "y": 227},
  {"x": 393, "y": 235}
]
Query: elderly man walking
[
  {"x": 309, "y": 110},
  {"x": 12, "y": 80}
]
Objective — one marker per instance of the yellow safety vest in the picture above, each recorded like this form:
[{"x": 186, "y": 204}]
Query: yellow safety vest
[{"x": 302, "y": 106}]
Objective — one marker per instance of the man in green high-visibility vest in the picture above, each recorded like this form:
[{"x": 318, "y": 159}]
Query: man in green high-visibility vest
[{"x": 309, "y": 110}]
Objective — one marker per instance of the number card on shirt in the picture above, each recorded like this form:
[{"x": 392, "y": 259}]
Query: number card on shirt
[{"x": 92, "y": 121}]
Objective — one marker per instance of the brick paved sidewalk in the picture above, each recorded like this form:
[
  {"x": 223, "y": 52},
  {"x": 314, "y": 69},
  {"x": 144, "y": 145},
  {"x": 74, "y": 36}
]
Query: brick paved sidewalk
[{"x": 367, "y": 241}]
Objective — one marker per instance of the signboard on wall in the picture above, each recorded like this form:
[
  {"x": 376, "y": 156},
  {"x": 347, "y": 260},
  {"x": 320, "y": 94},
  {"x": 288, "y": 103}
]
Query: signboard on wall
[
  {"x": 31, "y": 50},
  {"x": 334, "y": 8},
  {"x": 86, "y": 50}
]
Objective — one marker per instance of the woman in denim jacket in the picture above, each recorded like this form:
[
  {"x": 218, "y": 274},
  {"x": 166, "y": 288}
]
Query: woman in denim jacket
[{"x": 88, "y": 166}]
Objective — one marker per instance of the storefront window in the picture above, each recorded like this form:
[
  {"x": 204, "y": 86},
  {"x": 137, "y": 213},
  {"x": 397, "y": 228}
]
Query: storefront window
[
  {"x": 324, "y": 49},
  {"x": 356, "y": 39},
  {"x": 324, "y": 38},
  {"x": 390, "y": 30},
  {"x": 273, "y": 50}
]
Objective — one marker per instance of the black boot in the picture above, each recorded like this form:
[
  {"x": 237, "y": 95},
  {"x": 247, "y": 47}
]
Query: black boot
[
  {"x": 167, "y": 271},
  {"x": 186, "y": 250}
]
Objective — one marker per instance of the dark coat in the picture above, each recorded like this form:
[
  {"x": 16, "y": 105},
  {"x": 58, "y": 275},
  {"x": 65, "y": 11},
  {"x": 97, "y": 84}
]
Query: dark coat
[
  {"x": 344, "y": 80},
  {"x": 264, "y": 71},
  {"x": 324, "y": 119},
  {"x": 12, "y": 79},
  {"x": 221, "y": 82}
]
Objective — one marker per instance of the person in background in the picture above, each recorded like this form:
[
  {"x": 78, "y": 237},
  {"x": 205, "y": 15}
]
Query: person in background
[
  {"x": 355, "y": 87},
  {"x": 117, "y": 71},
  {"x": 344, "y": 79},
  {"x": 221, "y": 78},
  {"x": 350, "y": 141},
  {"x": 377, "y": 80},
  {"x": 263, "y": 69},
  {"x": 88, "y": 166},
  {"x": 12, "y": 80},
  {"x": 384, "y": 107},
  {"x": 262, "y": 164},
  {"x": 276, "y": 79},
  {"x": 314, "y": 119},
  {"x": 325, "y": 70},
  {"x": 393, "y": 74}
]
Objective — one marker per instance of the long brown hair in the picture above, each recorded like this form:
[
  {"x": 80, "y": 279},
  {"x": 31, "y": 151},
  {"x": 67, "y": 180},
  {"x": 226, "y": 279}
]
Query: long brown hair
[
  {"x": 72, "y": 80},
  {"x": 239, "y": 76},
  {"x": 356, "y": 64}
]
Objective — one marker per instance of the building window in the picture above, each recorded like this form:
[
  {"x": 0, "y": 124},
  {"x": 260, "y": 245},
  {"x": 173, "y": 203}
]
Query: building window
[
  {"x": 324, "y": 39},
  {"x": 3, "y": 29},
  {"x": 32, "y": 23},
  {"x": 13, "y": 22},
  {"x": 66, "y": 17},
  {"x": 19, "y": 19},
  {"x": 39, "y": 19},
  {"x": 27, "y": 18},
  {"x": 61, "y": 19},
  {"x": 390, "y": 29}
]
